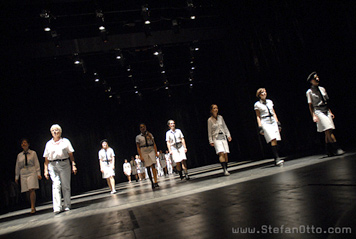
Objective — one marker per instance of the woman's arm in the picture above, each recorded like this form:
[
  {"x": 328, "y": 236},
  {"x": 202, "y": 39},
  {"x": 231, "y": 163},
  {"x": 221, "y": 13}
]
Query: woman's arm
[
  {"x": 46, "y": 162},
  {"x": 258, "y": 117}
]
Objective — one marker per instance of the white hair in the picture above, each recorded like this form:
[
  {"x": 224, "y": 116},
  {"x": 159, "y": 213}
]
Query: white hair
[{"x": 56, "y": 126}]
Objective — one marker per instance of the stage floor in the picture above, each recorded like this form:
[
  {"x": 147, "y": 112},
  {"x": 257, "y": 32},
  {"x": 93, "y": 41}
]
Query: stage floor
[{"x": 303, "y": 199}]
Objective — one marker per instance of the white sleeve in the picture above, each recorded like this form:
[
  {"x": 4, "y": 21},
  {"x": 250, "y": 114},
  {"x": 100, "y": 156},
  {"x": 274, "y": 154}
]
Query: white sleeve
[
  {"x": 309, "y": 98},
  {"x": 37, "y": 164},
  {"x": 210, "y": 136},
  {"x": 226, "y": 130}
]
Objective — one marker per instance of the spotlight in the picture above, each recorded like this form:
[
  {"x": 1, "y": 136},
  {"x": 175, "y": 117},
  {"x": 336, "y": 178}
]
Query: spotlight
[
  {"x": 76, "y": 59},
  {"x": 193, "y": 67},
  {"x": 135, "y": 86},
  {"x": 118, "y": 57},
  {"x": 167, "y": 88},
  {"x": 156, "y": 53},
  {"x": 110, "y": 96},
  {"x": 47, "y": 29},
  {"x": 163, "y": 72},
  {"x": 136, "y": 92},
  {"x": 192, "y": 17},
  {"x": 128, "y": 68},
  {"x": 97, "y": 79},
  {"x": 77, "y": 62},
  {"x": 147, "y": 22},
  {"x": 130, "y": 76},
  {"x": 190, "y": 79},
  {"x": 101, "y": 28},
  {"x": 197, "y": 48}
]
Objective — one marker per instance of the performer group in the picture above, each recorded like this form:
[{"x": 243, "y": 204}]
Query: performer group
[{"x": 150, "y": 163}]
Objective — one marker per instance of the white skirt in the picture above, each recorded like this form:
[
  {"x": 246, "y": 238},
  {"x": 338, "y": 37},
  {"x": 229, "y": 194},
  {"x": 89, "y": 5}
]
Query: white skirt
[
  {"x": 221, "y": 146},
  {"x": 29, "y": 180},
  {"x": 270, "y": 129},
  {"x": 127, "y": 172},
  {"x": 149, "y": 156},
  {"x": 325, "y": 121},
  {"x": 108, "y": 171},
  {"x": 178, "y": 154}
]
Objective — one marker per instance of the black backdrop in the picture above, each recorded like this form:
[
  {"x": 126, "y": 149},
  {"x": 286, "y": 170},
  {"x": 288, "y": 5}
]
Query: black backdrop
[{"x": 274, "y": 44}]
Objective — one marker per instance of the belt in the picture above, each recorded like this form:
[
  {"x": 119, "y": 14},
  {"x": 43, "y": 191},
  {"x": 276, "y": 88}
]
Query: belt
[
  {"x": 146, "y": 146},
  {"x": 59, "y": 160},
  {"x": 266, "y": 116},
  {"x": 177, "y": 145}
]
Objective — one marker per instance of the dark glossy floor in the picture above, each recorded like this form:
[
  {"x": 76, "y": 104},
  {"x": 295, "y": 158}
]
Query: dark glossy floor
[{"x": 302, "y": 199}]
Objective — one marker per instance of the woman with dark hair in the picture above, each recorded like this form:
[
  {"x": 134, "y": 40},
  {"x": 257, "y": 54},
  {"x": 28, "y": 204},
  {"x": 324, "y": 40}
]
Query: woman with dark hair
[
  {"x": 134, "y": 168},
  {"x": 218, "y": 132},
  {"x": 177, "y": 148},
  {"x": 321, "y": 114},
  {"x": 127, "y": 170},
  {"x": 28, "y": 168},
  {"x": 58, "y": 155},
  {"x": 107, "y": 164},
  {"x": 147, "y": 149},
  {"x": 268, "y": 123}
]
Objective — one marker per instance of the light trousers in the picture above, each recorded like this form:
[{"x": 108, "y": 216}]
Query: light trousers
[{"x": 60, "y": 174}]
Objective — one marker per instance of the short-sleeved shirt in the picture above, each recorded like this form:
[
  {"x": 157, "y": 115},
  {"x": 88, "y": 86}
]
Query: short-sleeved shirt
[
  {"x": 140, "y": 139},
  {"x": 315, "y": 98},
  {"x": 109, "y": 152},
  {"x": 263, "y": 108},
  {"x": 58, "y": 150},
  {"x": 174, "y": 136}
]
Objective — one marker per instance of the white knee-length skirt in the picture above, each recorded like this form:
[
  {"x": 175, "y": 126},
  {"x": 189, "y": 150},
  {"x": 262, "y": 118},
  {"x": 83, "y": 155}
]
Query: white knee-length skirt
[
  {"x": 221, "y": 146},
  {"x": 107, "y": 170},
  {"x": 28, "y": 179},
  {"x": 325, "y": 121},
  {"x": 270, "y": 129},
  {"x": 149, "y": 155},
  {"x": 178, "y": 154}
]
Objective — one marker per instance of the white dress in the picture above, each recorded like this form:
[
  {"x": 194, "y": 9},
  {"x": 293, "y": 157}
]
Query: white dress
[
  {"x": 127, "y": 168},
  {"x": 147, "y": 151},
  {"x": 28, "y": 174},
  {"x": 269, "y": 123},
  {"x": 217, "y": 132},
  {"x": 175, "y": 140},
  {"x": 320, "y": 109},
  {"x": 107, "y": 163}
]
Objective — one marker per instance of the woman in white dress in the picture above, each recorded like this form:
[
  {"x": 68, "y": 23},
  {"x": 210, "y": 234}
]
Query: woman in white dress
[
  {"x": 29, "y": 171},
  {"x": 107, "y": 164},
  {"x": 168, "y": 157},
  {"x": 147, "y": 149},
  {"x": 268, "y": 123},
  {"x": 177, "y": 148},
  {"x": 323, "y": 117},
  {"x": 127, "y": 170},
  {"x": 218, "y": 133},
  {"x": 134, "y": 168},
  {"x": 163, "y": 162}
]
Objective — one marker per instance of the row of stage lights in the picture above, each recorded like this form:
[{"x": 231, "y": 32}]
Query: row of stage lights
[
  {"x": 49, "y": 18},
  {"x": 159, "y": 55}
]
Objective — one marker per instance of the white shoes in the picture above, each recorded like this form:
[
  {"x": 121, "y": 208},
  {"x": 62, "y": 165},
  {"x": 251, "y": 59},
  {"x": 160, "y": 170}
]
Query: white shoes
[{"x": 113, "y": 191}]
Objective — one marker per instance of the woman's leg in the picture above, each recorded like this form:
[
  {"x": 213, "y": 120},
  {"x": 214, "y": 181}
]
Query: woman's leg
[
  {"x": 112, "y": 181},
  {"x": 32, "y": 193},
  {"x": 184, "y": 165},
  {"x": 109, "y": 183}
]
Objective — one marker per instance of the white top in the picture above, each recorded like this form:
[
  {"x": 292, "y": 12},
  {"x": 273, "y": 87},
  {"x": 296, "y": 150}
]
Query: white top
[
  {"x": 314, "y": 97},
  {"x": 215, "y": 126},
  {"x": 140, "y": 139},
  {"x": 172, "y": 136},
  {"x": 260, "y": 106},
  {"x": 109, "y": 152},
  {"x": 127, "y": 167},
  {"x": 58, "y": 150},
  {"x": 32, "y": 162}
]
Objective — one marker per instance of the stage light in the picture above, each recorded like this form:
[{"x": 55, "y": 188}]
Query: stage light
[
  {"x": 192, "y": 17},
  {"x": 128, "y": 68},
  {"x": 47, "y": 29},
  {"x": 118, "y": 57},
  {"x": 167, "y": 88},
  {"x": 101, "y": 28},
  {"x": 193, "y": 68},
  {"x": 163, "y": 72},
  {"x": 77, "y": 62},
  {"x": 135, "y": 86},
  {"x": 190, "y": 79},
  {"x": 97, "y": 80},
  {"x": 130, "y": 76},
  {"x": 147, "y": 22},
  {"x": 110, "y": 96},
  {"x": 156, "y": 53},
  {"x": 197, "y": 48},
  {"x": 136, "y": 92}
]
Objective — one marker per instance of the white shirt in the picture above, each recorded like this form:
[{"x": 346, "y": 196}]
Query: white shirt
[
  {"x": 109, "y": 152},
  {"x": 58, "y": 150},
  {"x": 172, "y": 136},
  {"x": 126, "y": 167},
  {"x": 314, "y": 97},
  {"x": 140, "y": 139},
  {"x": 32, "y": 162},
  {"x": 260, "y": 106},
  {"x": 215, "y": 126}
]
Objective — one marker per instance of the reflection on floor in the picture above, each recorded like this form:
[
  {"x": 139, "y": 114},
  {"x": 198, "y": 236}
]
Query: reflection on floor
[{"x": 303, "y": 199}]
